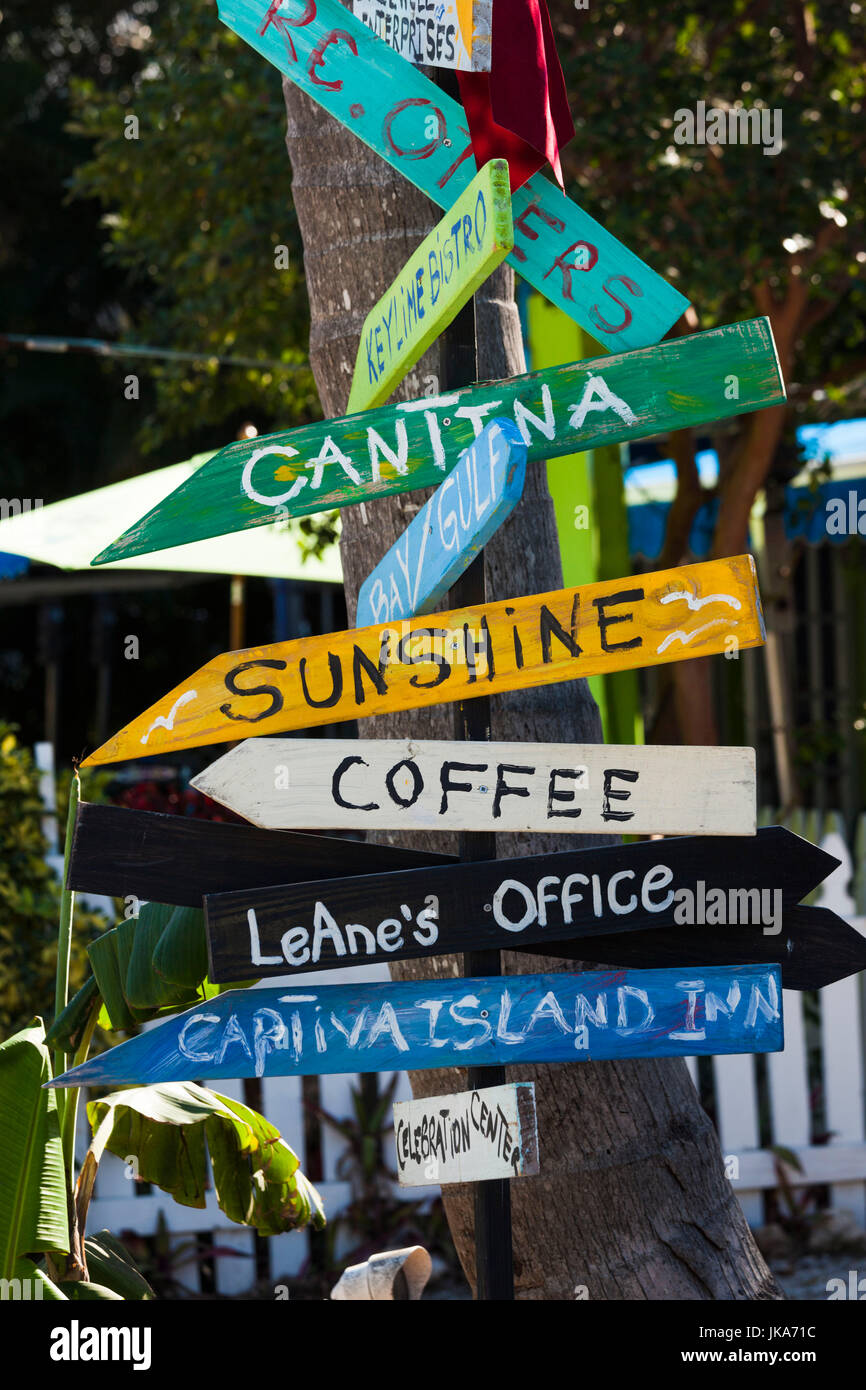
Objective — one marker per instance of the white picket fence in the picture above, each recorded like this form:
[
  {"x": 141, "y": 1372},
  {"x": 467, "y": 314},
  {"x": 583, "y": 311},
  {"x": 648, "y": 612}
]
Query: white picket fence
[
  {"x": 120, "y": 1205},
  {"x": 841, "y": 1048}
]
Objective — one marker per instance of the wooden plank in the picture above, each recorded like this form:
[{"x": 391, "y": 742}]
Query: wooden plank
[
  {"x": 576, "y": 483},
  {"x": 441, "y": 275},
  {"x": 470, "y": 1137},
  {"x": 820, "y": 1163},
  {"x": 413, "y": 444},
  {"x": 815, "y": 947},
  {"x": 412, "y": 784},
  {"x": 513, "y": 644},
  {"x": 443, "y": 33},
  {"x": 420, "y": 130},
  {"x": 737, "y": 1121},
  {"x": 789, "y": 1079},
  {"x": 176, "y": 859},
  {"x": 424, "y": 1024},
  {"x": 549, "y": 900},
  {"x": 147, "y": 1215},
  {"x": 843, "y": 1076},
  {"x": 440, "y": 542}
]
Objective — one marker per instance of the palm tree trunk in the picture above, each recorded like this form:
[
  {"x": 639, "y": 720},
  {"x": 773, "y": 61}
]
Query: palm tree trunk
[{"x": 632, "y": 1202}]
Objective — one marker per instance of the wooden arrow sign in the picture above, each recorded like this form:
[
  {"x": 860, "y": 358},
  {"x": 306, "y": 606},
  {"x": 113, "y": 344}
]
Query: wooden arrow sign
[
  {"x": 416, "y": 128},
  {"x": 815, "y": 947},
  {"x": 511, "y": 903},
  {"x": 620, "y": 624},
  {"x": 470, "y": 1137},
  {"x": 443, "y": 33},
  {"x": 511, "y": 1020},
  {"x": 413, "y": 444},
  {"x": 474, "y": 236},
  {"x": 449, "y": 530},
  {"x": 177, "y": 859},
  {"x": 411, "y": 784}
]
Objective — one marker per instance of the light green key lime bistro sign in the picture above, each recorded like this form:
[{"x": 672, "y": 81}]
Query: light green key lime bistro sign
[{"x": 440, "y": 277}]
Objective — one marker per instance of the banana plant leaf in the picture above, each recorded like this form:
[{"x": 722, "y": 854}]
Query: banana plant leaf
[
  {"x": 110, "y": 1264},
  {"x": 180, "y": 956},
  {"x": 105, "y": 965},
  {"x": 84, "y": 1290},
  {"x": 71, "y": 1023},
  {"x": 33, "y": 1213},
  {"x": 210, "y": 991},
  {"x": 29, "y": 1276},
  {"x": 144, "y": 988},
  {"x": 169, "y": 1128}
]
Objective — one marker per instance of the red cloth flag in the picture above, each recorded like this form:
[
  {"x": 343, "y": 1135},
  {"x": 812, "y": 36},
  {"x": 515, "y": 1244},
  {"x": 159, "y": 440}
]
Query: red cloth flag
[{"x": 519, "y": 110}]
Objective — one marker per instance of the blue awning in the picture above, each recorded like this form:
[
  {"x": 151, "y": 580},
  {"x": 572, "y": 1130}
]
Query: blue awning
[
  {"x": 831, "y": 511},
  {"x": 12, "y": 565},
  {"x": 834, "y": 512}
]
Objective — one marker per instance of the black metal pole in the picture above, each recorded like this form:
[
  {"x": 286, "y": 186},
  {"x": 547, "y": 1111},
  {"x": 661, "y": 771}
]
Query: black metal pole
[{"x": 494, "y": 1269}]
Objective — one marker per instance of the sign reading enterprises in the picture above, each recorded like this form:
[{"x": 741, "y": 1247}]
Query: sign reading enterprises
[{"x": 441, "y": 33}]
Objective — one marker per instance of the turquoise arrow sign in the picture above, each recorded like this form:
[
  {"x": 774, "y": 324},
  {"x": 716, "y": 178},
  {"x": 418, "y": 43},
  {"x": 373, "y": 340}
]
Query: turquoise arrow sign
[{"x": 411, "y": 123}]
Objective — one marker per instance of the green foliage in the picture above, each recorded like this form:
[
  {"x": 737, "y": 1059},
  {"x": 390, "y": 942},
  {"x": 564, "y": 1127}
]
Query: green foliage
[
  {"x": 169, "y": 1130},
  {"x": 72, "y": 1024},
  {"x": 731, "y": 227},
  {"x": 34, "y": 1274},
  {"x": 144, "y": 988},
  {"x": 195, "y": 208},
  {"x": 29, "y": 896},
  {"x": 111, "y": 1266},
  {"x": 181, "y": 951},
  {"x": 152, "y": 964},
  {"x": 33, "y": 1214},
  {"x": 81, "y": 1290},
  {"x": 51, "y": 277}
]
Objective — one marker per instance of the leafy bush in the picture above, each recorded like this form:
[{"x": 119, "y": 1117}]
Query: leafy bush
[{"x": 30, "y": 897}]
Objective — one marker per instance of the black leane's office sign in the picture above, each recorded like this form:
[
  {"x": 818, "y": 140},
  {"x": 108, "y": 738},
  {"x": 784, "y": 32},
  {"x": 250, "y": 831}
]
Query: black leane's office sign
[
  {"x": 509, "y": 904},
  {"x": 177, "y": 859}
]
